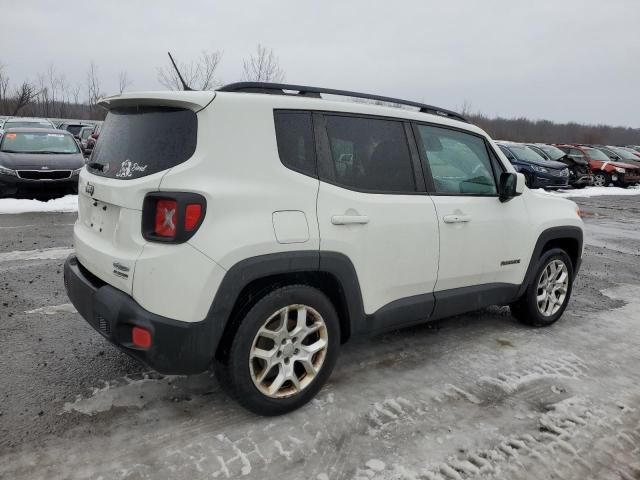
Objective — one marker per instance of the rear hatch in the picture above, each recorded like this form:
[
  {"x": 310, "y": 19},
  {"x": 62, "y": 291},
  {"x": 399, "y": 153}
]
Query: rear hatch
[{"x": 142, "y": 138}]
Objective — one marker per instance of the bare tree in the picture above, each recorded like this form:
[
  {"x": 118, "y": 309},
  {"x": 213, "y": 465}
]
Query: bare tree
[
  {"x": 4, "y": 89},
  {"x": 123, "y": 81},
  {"x": 262, "y": 66},
  {"x": 24, "y": 95},
  {"x": 198, "y": 74},
  {"x": 465, "y": 108},
  {"x": 94, "y": 89}
]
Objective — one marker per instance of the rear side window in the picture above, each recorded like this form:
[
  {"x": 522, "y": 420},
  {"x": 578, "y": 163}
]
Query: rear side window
[
  {"x": 294, "y": 134},
  {"x": 370, "y": 154},
  {"x": 139, "y": 141},
  {"x": 459, "y": 162}
]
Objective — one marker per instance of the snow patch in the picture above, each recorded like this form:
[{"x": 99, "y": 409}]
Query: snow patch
[
  {"x": 68, "y": 203},
  {"x": 53, "y": 309},
  {"x": 55, "y": 253},
  {"x": 133, "y": 393},
  {"x": 593, "y": 192},
  {"x": 376, "y": 465}
]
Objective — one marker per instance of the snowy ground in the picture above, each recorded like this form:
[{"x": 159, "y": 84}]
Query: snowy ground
[{"x": 477, "y": 396}]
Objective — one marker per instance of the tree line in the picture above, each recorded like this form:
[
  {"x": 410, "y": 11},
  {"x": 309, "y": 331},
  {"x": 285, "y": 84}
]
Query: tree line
[
  {"x": 545, "y": 131},
  {"x": 51, "y": 95}
]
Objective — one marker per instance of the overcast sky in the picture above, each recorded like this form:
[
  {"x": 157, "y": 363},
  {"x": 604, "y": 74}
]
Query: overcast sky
[{"x": 554, "y": 59}]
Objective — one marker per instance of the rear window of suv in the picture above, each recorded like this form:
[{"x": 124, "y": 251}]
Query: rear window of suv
[{"x": 139, "y": 141}]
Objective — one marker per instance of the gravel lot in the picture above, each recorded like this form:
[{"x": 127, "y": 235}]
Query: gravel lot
[{"x": 477, "y": 396}]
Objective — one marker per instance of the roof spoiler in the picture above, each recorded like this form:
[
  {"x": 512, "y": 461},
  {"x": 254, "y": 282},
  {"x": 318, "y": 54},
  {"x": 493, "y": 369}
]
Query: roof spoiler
[{"x": 193, "y": 100}]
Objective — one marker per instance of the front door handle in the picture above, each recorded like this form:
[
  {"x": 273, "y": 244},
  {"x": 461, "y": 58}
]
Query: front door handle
[
  {"x": 456, "y": 218},
  {"x": 349, "y": 219}
]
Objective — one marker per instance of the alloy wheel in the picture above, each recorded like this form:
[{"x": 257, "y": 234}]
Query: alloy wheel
[
  {"x": 553, "y": 285},
  {"x": 288, "y": 351},
  {"x": 599, "y": 180}
]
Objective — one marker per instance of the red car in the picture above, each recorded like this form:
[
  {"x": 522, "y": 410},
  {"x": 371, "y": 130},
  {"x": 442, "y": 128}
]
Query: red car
[{"x": 604, "y": 170}]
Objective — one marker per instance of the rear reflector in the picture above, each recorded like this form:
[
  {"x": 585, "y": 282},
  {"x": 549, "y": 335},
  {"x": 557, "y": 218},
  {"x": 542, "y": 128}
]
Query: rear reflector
[
  {"x": 192, "y": 216},
  {"x": 141, "y": 337},
  {"x": 165, "y": 225}
]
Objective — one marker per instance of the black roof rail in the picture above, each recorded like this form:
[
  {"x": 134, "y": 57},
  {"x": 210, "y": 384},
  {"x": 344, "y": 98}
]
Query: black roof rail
[{"x": 315, "y": 92}]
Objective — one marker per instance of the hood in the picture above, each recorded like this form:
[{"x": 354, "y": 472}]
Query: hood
[
  {"x": 35, "y": 161},
  {"x": 546, "y": 163},
  {"x": 623, "y": 165}
]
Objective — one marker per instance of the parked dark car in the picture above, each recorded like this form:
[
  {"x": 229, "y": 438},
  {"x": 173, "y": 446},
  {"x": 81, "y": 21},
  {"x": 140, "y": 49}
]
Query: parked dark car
[
  {"x": 538, "y": 172},
  {"x": 39, "y": 161},
  {"x": 605, "y": 170},
  {"x": 83, "y": 137},
  {"x": 580, "y": 174},
  {"x": 91, "y": 141},
  {"x": 626, "y": 154},
  {"x": 614, "y": 155},
  {"x": 632, "y": 150},
  {"x": 74, "y": 127}
]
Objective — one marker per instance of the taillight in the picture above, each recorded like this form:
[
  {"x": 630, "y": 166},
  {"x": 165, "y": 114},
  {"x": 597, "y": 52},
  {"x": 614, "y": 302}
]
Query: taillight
[
  {"x": 172, "y": 217},
  {"x": 165, "y": 225}
]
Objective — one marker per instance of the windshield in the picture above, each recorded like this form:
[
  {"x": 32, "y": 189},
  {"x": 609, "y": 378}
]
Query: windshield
[
  {"x": 36, "y": 142},
  {"x": 626, "y": 155},
  {"x": 554, "y": 152},
  {"x": 525, "y": 153},
  {"x": 25, "y": 124},
  {"x": 596, "y": 154},
  {"x": 135, "y": 142}
]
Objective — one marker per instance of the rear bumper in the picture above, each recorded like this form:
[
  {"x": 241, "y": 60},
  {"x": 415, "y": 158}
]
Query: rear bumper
[{"x": 177, "y": 347}]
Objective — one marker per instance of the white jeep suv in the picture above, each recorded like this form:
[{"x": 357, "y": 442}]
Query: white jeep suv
[{"x": 257, "y": 228}]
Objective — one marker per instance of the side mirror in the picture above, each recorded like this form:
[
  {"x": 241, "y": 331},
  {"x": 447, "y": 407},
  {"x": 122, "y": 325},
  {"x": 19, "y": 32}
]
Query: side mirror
[{"x": 511, "y": 185}]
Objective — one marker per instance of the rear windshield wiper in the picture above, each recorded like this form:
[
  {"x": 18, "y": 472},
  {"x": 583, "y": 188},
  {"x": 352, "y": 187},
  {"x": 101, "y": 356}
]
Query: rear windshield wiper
[{"x": 96, "y": 166}]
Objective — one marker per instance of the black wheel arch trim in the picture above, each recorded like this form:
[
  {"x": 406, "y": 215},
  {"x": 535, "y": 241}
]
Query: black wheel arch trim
[
  {"x": 549, "y": 235},
  {"x": 247, "y": 271}
]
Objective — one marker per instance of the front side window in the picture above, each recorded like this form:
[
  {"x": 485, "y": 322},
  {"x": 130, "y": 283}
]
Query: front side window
[
  {"x": 38, "y": 142},
  {"x": 294, "y": 134},
  {"x": 459, "y": 162},
  {"x": 370, "y": 154}
]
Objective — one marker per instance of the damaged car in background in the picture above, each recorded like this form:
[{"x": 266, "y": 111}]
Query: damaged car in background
[{"x": 580, "y": 174}]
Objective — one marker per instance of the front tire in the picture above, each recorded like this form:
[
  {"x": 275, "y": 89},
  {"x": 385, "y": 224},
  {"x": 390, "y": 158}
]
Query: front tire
[
  {"x": 549, "y": 291},
  {"x": 283, "y": 351},
  {"x": 601, "y": 179}
]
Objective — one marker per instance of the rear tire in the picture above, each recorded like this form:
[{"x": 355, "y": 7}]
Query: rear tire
[
  {"x": 549, "y": 290},
  {"x": 291, "y": 333}
]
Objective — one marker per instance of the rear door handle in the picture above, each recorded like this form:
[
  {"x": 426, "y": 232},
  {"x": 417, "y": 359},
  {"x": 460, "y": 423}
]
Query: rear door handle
[
  {"x": 456, "y": 218},
  {"x": 349, "y": 219}
]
